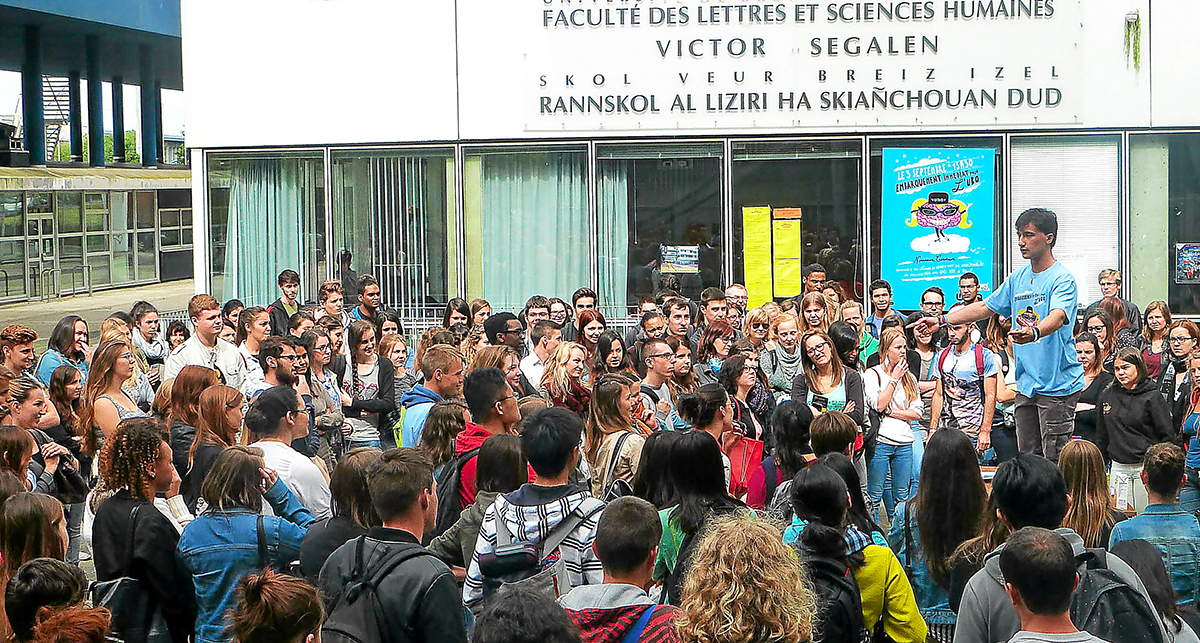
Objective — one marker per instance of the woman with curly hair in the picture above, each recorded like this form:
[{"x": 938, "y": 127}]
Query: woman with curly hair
[
  {"x": 474, "y": 342},
  {"x": 745, "y": 585},
  {"x": 131, "y": 537},
  {"x": 445, "y": 421},
  {"x": 563, "y": 382}
]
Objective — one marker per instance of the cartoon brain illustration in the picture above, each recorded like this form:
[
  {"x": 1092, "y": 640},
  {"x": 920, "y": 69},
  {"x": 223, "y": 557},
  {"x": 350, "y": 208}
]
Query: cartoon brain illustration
[{"x": 937, "y": 211}]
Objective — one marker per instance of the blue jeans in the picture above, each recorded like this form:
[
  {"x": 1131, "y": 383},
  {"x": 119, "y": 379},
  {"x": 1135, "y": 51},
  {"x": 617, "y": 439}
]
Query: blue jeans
[
  {"x": 1189, "y": 494},
  {"x": 896, "y": 461},
  {"x": 364, "y": 443}
]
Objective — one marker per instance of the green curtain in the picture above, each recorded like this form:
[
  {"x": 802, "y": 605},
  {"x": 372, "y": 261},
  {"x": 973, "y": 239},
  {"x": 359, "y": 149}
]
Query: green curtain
[
  {"x": 266, "y": 205},
  {"x": 534, "y": 229},
  {"x": 613, "y": 236}
]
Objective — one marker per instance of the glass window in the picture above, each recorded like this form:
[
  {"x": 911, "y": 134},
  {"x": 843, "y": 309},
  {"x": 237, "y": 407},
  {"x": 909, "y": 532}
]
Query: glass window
[
  {"x": 174, "y": 198},
  {"x": 97, "y": 243},
  {"x": 119, "y": 213},
  {"x": 12, "y": 243},
  {"x": 1079, "y": 179},
  {"x": 394, "y": 218},
  {"x": 169, "y": 237},
  {"x": 145, "y": 210},
  {"x": 101, "y": 273},
  {"x": 659, "y": 220},
  {"x": 122, "y": 257},
  {"x": 95, "y": 211},
  {"x": 526, "y": 220},
  {"x": 147, "y": 257},
  {"x": 266, "y": 214},
  {"x": 1165, "y": 220},
  {"x": 800, "y": 202},
  {"x": 168, "y": 218},
  {"x": 986, "y": 256},
  {"x": 40, "y": 203},
  {"x": 70, "y": 212}
]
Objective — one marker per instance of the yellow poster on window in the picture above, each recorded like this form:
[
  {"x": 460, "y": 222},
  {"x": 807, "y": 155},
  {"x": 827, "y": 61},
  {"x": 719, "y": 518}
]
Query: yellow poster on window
[
  {"x": 756, "y": 253},
  {"x": 786, "y": 250}
]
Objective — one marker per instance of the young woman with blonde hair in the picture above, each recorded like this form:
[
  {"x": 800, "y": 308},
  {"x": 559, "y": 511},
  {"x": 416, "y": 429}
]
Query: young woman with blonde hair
[
  {"x": 782, "y": 361},
  {"x": 105, "y": 403},
  {"x": 891, "y": 392},
  {"x": 137, "y": 387},
  {"x": 1091, "y": 512},
  {"x": 757, "y": 328},
  {"x": 745, "y": 585},
  {"x": 504, "y": 358},
  {"x": 563, "y": 382}
]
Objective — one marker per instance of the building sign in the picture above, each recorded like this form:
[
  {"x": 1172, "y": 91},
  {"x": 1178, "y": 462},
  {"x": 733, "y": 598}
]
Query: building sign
[
  {"x": 619, "y": 65},
  {"x": 938, "y": 214}
]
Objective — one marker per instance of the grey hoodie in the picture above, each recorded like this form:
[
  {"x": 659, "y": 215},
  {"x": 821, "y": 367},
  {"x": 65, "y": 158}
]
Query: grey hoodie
[{"x": 986, "y": 615}]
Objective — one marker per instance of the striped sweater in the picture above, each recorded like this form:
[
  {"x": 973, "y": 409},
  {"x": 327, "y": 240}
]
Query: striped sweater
[{"x": 531, "y": 513}]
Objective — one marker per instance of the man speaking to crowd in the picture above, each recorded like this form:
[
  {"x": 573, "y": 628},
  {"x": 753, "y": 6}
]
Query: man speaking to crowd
[{"x": 1041, "y": 298}]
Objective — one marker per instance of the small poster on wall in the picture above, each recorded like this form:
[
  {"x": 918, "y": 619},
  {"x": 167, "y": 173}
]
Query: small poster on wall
[
  {"x": 680, "y": 260},
  {"x": 938, "y": 215},
  {"x": 1187, "y": 263}
]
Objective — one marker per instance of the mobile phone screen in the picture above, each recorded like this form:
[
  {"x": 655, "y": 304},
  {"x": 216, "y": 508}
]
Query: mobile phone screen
[{"x": 820, "y": 402}]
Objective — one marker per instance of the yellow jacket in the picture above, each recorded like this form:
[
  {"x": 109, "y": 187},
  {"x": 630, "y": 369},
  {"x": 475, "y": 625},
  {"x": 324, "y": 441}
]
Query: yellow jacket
[{"x": 886, "y": 594}]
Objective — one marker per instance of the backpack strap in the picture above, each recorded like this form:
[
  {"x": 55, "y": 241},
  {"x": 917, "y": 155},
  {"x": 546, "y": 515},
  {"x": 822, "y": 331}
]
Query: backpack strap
[
  {"x": 635, "y": 633},
  {"x": 941, "y": 362},
  {"x": 979, "y": 360},
  {"x": 561, "y": 531},
  {"x": 503, "y": 535},
  {"x": 770, "y": 478},
  {"x": 615, "y": 457},
  {"x": 263, "y": 557},
  {"x": 908, "y": 542},
  {"x": 362, "y": 577}
]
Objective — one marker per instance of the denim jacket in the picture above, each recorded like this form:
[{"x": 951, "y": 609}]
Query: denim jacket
[
  {"x": 219, "y": 547},
  {"x": 1176, "y": 534}
]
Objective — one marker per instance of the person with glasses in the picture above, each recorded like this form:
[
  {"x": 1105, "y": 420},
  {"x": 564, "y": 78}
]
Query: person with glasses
[
  {"x": 737, "y": 295},
  {"x": 276, "y": 418},
  {"x": 494, "y": 411},
  {"x": 823, "y": 382},
  {"x": 933, "y": 301},
  {"x": 328, "y": 397},
  {"x": 652, "y": 326},
  {"x": 1110, "y": 286},
  {"x": 1098, "y": 323},
  {"x": 370, "y": 382},
  {"x": 1183, "y": 338},
  {"x": 277, "y": 357},
  {"x": 781, "y": 362},
  {"x": 659, "y": 363},
  {"x": 714, "y": 347},
  {"x": 757, "y": 328}
]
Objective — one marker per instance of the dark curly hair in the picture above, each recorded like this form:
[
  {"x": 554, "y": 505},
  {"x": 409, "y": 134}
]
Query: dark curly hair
[{"x": 128, "y": 456}]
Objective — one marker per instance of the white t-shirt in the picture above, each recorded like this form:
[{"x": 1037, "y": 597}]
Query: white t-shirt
[
  {"x": 532, "y": 367},
  {"x": 891, "y": 430},
  {"x": 300, "y": 475}
]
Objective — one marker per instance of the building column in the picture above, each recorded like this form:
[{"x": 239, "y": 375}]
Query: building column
[
  {"x": 95, "y": 102},
  {"x": 34, "y": 118},
  {"x": 118, "y": 119},
  {"x": 149, "y": 109},
  {"x": 75, "y": 117},
  {"x": 159, "y": 144}
]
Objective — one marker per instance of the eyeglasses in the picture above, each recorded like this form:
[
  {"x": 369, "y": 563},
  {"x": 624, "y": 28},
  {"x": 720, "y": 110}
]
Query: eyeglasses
[
  {"x": 759, "y": 325},
  {"x": 933, "y": 303},
  {"x": 290, "y": 358},
  {"x": 817, "y": 348},
  {"x": 1095, "y": 329},
  {"x": 507, "y": 397},
  {"x": 658, "y": 355},
  {"x": 1180, "y": 340},
  {"x": 321, "y": 349}
]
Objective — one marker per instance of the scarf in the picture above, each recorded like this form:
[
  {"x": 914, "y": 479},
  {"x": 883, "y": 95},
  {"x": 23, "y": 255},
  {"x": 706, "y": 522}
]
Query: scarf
[
  {"x": 576, "y": 399},
  {"x": 788, "y": 362}
]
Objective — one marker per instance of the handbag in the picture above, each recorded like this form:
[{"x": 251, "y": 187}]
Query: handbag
[
  {"x": 616, "y": 488},
  {"x": 136, "y": 617},
  {"x": 70, "y": 487},
  {"x": 745, "y": 456}
]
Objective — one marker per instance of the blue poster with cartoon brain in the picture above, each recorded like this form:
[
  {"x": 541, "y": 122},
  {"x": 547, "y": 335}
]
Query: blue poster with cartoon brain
[{"x": 938, "y": 220}]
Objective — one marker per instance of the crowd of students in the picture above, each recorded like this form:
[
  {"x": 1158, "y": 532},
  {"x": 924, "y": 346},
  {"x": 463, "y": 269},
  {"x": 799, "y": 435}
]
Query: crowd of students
[{"x": 796, "y": 471}]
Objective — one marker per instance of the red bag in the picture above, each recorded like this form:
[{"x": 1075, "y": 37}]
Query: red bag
[{"x": 745, "y": 456}]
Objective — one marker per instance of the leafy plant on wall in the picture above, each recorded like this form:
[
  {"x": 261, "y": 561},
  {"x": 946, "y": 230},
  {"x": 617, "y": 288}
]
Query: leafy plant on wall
[{"x": 1133, "y": 39}]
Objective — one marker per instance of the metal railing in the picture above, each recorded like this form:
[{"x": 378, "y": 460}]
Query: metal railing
[{"x": 50, "y": 280}]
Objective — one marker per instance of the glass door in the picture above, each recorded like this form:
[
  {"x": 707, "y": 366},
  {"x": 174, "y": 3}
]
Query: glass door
[
  {"x": 12, "y": 243},
  {"x": 40, "y": 256}
]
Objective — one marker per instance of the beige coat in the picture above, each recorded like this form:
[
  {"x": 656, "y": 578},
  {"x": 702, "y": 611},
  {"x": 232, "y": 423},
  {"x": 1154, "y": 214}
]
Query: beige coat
[{"x": 627, "y": 462}]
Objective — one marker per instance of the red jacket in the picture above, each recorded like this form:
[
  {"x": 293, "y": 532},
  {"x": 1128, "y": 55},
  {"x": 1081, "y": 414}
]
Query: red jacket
[{"x": 472, "y": 437}]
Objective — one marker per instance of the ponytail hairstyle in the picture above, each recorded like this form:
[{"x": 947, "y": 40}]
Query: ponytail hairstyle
[
  {"x": 819, "y": 496},
  {"x": 245, "y": 318},
  {"x": 700, "y": 408},
  {"x": 274, "y": 608}
]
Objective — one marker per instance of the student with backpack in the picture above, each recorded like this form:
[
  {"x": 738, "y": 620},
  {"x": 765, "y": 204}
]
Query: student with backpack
[
  {"x": 1040, "y": 578},
  {"x": 861, "y": 586},
  {"x": 385, "y": 587},
  {"x": 627, "y": 537},
  {"x": 540, "y": 536},
  {"x": 1029, "y": 491},
  {"x": 965, "y": 394}
]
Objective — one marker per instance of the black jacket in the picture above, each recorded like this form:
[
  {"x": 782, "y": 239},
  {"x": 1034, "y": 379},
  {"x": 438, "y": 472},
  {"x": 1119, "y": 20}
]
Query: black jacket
[
  {"x": 279, "y": 317},
  {"x": 1085, "y": 421},
  {"x": 419, "y": 596},
  {"x": 321, "y": 540},
  {"x": 1130, "y": 422},
  {"x": 854, "y": 391},
  {"x": 182, "y": 436},
  {"x": 384, "y": 403},
  {"x": 153, "y": 561}
]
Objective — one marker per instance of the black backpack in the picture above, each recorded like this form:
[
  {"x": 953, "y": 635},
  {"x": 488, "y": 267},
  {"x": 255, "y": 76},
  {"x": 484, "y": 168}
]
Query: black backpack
[
  {"x": 449, "y": 479},
  {"x": 1108, "y": 607},
  {"x": 839, "y": 616},
  {"x": 355, "y": 615}
]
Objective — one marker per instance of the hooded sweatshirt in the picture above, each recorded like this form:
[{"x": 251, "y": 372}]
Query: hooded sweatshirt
[
  {"x": 416, "y": 405},
  {"x": 606, "y": 613},
  {"x": 472, "y": 437},
  {"x": 986, "y": 614},
  {"x": 1130, "y": 421},
  {"x": 531, "y": 513}
]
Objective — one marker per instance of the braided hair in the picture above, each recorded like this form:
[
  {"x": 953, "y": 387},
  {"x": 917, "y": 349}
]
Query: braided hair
[{"x": 129, "y": 457}]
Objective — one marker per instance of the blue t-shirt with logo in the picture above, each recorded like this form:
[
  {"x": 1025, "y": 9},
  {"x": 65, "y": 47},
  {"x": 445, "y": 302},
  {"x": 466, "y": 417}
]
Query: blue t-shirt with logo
[{"x": 1048, "y": 366}]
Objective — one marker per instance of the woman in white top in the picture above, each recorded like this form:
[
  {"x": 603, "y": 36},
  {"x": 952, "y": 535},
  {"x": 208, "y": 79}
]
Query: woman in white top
[
  {"x": 891, "y": 392},
  {"x": 254, "y": 325}
]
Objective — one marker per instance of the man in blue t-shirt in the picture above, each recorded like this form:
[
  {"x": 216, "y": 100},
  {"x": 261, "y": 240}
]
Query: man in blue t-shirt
[{"x": 1041, "y": 299}]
